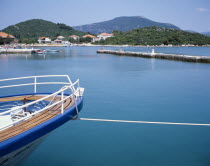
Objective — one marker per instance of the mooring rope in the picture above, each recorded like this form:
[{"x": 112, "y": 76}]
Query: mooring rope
[{"x": 146, "y": 122}]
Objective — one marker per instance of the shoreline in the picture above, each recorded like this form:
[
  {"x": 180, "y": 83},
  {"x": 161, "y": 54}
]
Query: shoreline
[{"x": 93, "y": 45}]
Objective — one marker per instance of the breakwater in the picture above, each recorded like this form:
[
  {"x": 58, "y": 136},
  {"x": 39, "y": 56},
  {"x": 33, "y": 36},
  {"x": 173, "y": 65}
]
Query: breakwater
[
  {"x": 186, "y": 58},
  {"x": 12, "y": 50}
]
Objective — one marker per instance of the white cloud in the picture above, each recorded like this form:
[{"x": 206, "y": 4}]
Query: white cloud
[{"x": 202, "y": 9}]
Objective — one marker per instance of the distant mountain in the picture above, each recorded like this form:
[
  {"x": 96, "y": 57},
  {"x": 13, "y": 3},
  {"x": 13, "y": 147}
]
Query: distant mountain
[
  {"x": 124, "y": 23},
  {"x": 203, "y": 33},
  {"x": 206, "y": 33},
  {"x": 191, "y": 31},
  {"x": 155, "y": 36},
  {"x": 37, "y": 27}
]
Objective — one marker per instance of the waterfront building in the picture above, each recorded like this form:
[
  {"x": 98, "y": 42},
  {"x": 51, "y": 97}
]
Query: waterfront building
[
  {"x": 75, "y": 37},
  {"x": 60, "y": 37},
  {"x": 57, "y": 41},
  {"x": 6, "y": 35},
  {"x": 44, "y": 40},
  {"x": 102, "y": 36},
  {"x": 95, "y": 39},
  {"x": 6, "y": 38},
  {"x": 88, "y": 35}
]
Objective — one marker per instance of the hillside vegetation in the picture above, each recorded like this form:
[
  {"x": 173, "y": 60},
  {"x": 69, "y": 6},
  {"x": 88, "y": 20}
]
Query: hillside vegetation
[
  {"x": 156, "y": 36},
  {"x": 35, "y": 28}
]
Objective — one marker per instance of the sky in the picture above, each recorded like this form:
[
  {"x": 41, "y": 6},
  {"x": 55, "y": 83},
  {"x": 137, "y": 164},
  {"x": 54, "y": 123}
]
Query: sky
[{"x": 186, "y": 14}]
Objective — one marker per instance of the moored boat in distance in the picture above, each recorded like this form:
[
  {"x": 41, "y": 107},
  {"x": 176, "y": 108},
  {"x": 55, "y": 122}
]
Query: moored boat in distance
[
  {"x": 40, "y": 51},
  {"x": 67, "y": 45},
  {"x": 26, "y": 119},
  {"x": 51, "y": 50}
]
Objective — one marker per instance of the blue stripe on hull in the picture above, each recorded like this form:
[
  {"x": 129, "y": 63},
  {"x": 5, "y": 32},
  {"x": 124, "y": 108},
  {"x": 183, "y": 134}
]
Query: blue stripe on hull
[{"x": 36, "y": 132}]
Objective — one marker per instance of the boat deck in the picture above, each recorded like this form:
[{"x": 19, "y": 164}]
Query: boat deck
[{"x": 36, "y": 119}]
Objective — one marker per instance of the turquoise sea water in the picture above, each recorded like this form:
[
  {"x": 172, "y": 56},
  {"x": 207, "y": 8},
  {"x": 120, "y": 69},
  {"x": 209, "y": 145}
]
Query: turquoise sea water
[{"x": 125, "y": 88}]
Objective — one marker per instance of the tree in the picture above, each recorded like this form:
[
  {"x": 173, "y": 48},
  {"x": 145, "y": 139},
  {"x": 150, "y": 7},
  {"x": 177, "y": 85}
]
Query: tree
[{"x": 86, "y": 40}]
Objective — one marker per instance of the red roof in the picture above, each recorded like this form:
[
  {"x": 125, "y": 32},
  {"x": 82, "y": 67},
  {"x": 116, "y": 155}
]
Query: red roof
[
  {"x": 5, "y": 35},
  {"x": 61, "y": 37},
  {"x": 106, "y": 34},
  {"x": 42, "y": 38},
  {"x": 91, "y": 36},
  {"x": 73, "y": 36}
]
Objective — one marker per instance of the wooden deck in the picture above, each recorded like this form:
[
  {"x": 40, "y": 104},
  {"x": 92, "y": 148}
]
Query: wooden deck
[
  {"x": 35, "y": 120},
  {"x": 28, "y": 97}
]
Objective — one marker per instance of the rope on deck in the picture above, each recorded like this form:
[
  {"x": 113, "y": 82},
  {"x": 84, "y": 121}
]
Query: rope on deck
[{"x": 145, "y": 122}]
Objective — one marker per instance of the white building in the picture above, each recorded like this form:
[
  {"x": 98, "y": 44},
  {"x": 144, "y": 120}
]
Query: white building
[
  {"x": 60, "y": 37},
  {"x": 75, "y": 37},
  {"x": 102, "y": 36},
  {"x": 95, "y": 39},
  {"x": 44, "y": 40},
  {"x": 57, "y": 41}
]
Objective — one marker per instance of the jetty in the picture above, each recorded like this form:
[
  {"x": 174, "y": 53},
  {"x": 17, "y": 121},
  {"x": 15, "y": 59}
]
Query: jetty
[
  {"x": 153, "y": 54},
  {"x": 14, "y": 51}
]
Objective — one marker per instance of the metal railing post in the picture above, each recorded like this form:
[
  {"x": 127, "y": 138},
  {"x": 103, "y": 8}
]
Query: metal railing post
[
  {"x": 62, "y": 102},
  {"x": 73, "y": 89},
  {"x": 35, "y": 84}
]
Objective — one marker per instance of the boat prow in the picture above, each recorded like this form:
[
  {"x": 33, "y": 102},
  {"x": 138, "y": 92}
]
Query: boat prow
[{"x": 26, "y": 119}]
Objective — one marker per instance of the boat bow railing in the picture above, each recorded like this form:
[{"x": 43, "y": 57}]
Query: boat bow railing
[
  {"x": 35, "y": 83},
  {"x": 76, "y": 92}
]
